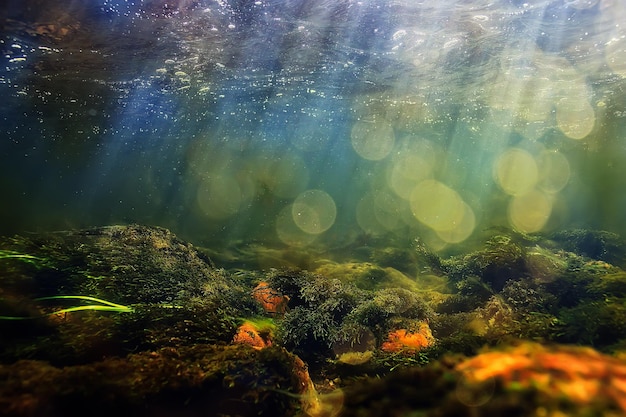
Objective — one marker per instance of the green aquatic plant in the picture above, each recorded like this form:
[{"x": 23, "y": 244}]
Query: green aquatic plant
[
  {"x": 600, "y": 323},
  {"x": 102, "y": 306},
  {"x": 23, "y": 257},
  {"x": 498, "y": 262}
]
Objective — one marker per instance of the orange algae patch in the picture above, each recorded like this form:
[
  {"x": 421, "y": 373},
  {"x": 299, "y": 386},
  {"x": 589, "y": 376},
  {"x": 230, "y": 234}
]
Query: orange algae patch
[
  {"x": 249, "y": 334},
  {"x": 581, "y": 375},
  {"x": 408, "y": 341},
  {"x": 273, "y": 301}
]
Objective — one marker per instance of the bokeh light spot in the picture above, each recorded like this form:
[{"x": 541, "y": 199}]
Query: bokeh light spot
[
  {"x": 372, "y": 140},
  {"x": 516, "y": 171},
  {"x": 410, "y": 166},
  {"x": 554, "y": 171},
  {"x": 436, "y": 205},
  {"x": 288, "y": 232},
  {"x": 314, "y": 211},
  {"x": 575, "y": 117},
  {"x": 461, "y": 231},
  {"x": 530, "y": 212},
  {"x": 219, "y": 197}
]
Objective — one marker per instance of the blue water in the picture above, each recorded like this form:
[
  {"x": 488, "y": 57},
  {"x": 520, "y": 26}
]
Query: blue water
[{"x": 212, "y": 117}]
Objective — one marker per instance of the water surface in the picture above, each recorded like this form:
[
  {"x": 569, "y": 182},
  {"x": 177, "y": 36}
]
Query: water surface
[{"x": 314, "y": 122}]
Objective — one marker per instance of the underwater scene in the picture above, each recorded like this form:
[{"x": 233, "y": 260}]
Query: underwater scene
[{"x": 313, "y": 208}]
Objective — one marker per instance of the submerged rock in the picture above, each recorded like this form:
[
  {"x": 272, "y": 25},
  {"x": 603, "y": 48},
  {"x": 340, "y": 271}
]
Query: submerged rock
[
  {"x": 71, "y": 297},
  {"x": 528, "y": 379},
  {"x": 201, "y": 380},
  {"x": 132, "y": 319}
]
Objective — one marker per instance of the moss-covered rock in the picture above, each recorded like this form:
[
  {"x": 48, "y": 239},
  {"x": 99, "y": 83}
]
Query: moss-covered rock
[
  {"x": 77, "y": 296},
  {"x": 500, "y": 261},
  {"x": 594, "y": 244},
  {"x": 199, "y": 380}
]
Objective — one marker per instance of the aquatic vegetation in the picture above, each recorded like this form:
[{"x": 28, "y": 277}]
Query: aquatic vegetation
[
  {"x": 528, "y": 296},
  {"x": 169, "y": 293},
  {"x": 599, "y": 323},
  {"x": 389, "y": 303},
  {"x": 325, "y": 312},
  {"x": 363, "y": 275},
  {"x": 195, "y": 378},
  {"x": 101, "y": 305},
  {"x": 594, "y": 244},
  {"x": 337, "y": 328},
  {"x": 402, "y": 259},
  {"x": 500, "y": 261},
  {"x": 23, "y": 257}
]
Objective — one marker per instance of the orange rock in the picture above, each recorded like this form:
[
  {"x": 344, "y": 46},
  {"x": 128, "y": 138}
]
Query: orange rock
[
  {"x": 274, "y": 302},
  {"x": 248, "y": 334},
  {"x": 403, "y": 340},
  {"x": 581, "y": 375}
]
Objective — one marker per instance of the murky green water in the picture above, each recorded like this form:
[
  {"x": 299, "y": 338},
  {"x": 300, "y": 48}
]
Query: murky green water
[{"x": 314, "y": 122}]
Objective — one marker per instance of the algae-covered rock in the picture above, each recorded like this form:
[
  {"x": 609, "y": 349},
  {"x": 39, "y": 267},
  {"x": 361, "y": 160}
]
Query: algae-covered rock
[
  {"x": 501, "y": 260},
  {"x": 524, "y": 380},
  {"x": 76, "y": 296},
  {"x": 323, "y": 313},
  {"x": 198, "y": 380},
  {"x": 125, "y": 264},
  {"x": 594, "y": 244},
  {"x": 150, "y": 323}
]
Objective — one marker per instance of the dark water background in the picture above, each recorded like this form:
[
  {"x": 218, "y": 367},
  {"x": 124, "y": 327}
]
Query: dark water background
[{"x": 211, "y": 118}]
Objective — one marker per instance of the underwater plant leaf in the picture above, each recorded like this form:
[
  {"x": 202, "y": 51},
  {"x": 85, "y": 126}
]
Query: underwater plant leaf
[
  {"x": 30, "y": 259},
  {"x": 85, "y": 297},
  {"x": 106, "y": 306}
]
